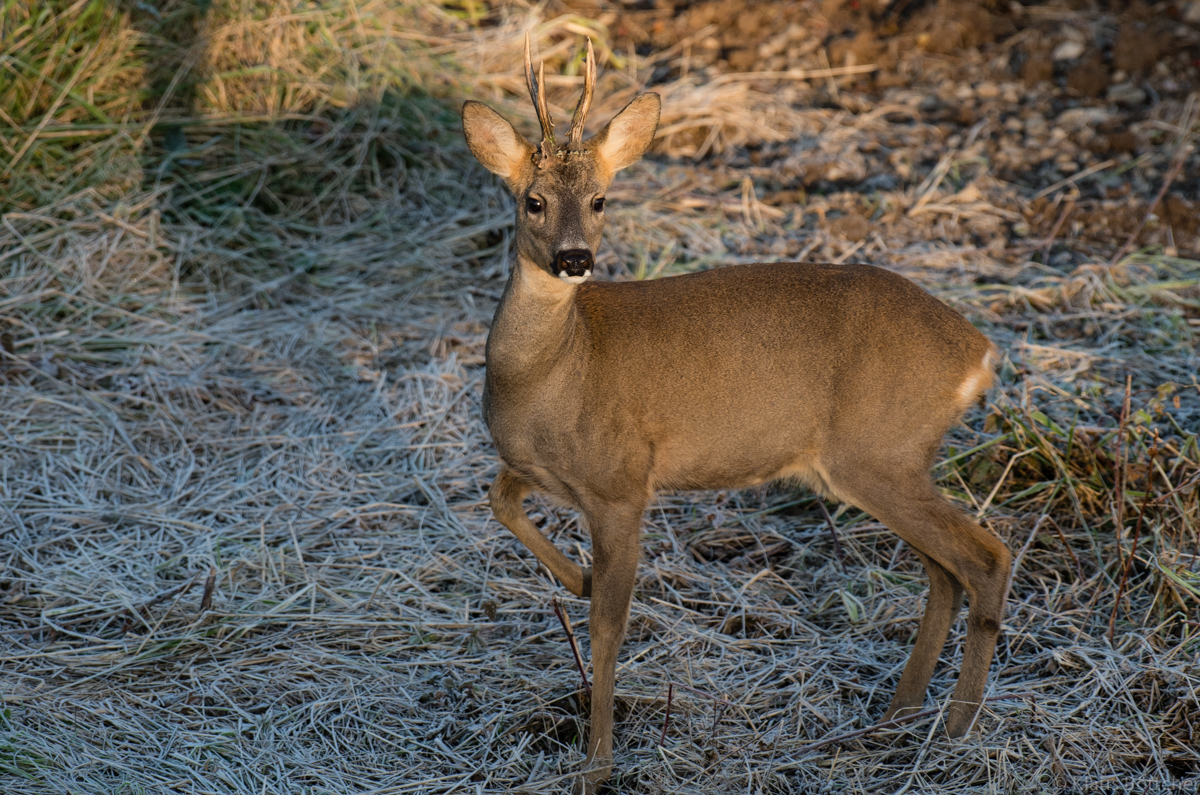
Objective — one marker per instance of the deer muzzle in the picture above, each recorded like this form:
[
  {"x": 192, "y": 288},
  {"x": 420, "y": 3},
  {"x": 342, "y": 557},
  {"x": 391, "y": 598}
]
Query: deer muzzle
[{"x": 573, "y": 265}]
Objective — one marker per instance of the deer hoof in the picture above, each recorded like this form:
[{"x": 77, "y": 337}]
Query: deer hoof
[
  {"x": 593, "y": 781},
  {"x": 959, "y": 719}
]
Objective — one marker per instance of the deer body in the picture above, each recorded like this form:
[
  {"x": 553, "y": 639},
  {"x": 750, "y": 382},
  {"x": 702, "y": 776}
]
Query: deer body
[
  {"x": 844, "y": 377},
  {"x": 723, "y": 379}
]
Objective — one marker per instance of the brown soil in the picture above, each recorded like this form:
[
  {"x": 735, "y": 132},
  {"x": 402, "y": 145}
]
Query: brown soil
[{"x": 1058, "y": 89}]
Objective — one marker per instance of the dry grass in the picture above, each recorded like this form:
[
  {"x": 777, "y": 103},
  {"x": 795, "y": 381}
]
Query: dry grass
[
  {"x": 69, "y": 86},
  {"x": 247, "y": 548}
]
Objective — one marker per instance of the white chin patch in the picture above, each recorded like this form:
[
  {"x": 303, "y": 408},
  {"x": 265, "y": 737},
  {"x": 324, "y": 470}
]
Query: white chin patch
[{"x": 574, "y": 279}]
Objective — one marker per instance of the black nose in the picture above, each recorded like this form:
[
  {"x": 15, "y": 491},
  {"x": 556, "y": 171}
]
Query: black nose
[{"x": 573, "y": 262}]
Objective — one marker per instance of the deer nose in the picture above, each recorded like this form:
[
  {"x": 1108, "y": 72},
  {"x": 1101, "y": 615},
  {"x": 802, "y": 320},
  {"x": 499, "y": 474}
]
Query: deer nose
[{"x": 573, "y": 262}]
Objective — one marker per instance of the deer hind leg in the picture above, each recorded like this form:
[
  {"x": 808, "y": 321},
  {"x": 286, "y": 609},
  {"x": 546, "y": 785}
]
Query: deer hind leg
[
  {"x": 969, "y": 555},
  {"x": 506, "y": 494},
  {"x": 987, "y": 592},
  {"x": 945, "y": 598}
]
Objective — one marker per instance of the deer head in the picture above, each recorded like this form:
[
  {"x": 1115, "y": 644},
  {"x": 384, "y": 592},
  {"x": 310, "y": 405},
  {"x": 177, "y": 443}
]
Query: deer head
[{"x": 560, "y": 188}]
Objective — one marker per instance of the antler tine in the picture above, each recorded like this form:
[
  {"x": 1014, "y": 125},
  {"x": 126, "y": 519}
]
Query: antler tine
[
  {"x": 530, "y": 80},
  {"x": 543, "y": 111},
  {"x": 538, "y": 95},
  {"x": 585, "y": 101}
]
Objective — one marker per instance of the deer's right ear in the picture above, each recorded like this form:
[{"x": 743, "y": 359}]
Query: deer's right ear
[{"x": 501, "y": 149}]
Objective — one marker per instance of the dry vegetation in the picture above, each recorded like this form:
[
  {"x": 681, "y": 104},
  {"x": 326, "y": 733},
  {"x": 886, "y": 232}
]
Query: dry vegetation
[{"x": 246, "y": 271}]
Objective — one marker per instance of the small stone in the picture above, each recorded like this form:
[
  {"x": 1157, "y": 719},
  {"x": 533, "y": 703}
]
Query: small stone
[
  {"x": 1089, "y": 78},
  {"x": 1069, "y": 50},
  {"x": 1035, "y": 124},
  {"x": 881, "y": 182},
  {"x": 1083, "y": 118},
  {"x": 1137, "y": 47},
  {"x": 1127, "y": 95},
  {"x": 1037, "y": 67},
  {"x": 742, "y": 60},
  {"x": 1123, "y": 142},
  {"x": 772, "y": 47},
  {"x": 851, "y": 227},
  {"x": 987, "y": 90}
]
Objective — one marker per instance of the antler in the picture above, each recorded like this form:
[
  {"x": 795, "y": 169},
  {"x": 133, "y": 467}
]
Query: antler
[
  {"x": 585, "y": 102},
  {"x": 538, "y": 95}
]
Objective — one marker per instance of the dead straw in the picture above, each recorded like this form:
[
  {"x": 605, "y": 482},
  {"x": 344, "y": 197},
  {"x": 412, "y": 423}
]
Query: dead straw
[
  {"x": 888, "y": 724},
  {"x": 267, "y": 376}
]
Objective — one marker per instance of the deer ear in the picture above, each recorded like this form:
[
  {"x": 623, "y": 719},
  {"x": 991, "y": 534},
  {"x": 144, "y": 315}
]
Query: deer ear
[
  {"x": 627, "y": 137},
  {"x": 501, "y": 149}
]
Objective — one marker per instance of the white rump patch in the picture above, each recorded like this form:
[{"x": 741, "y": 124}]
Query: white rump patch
[
  {"x": 976, "y": 381},
  {"x": 574, "y": 279}
]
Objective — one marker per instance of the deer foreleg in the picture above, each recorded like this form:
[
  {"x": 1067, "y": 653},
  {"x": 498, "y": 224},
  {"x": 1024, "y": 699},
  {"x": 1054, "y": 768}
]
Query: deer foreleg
[
  {"x": 506, "y": 494},
  {"x": 615, "y": 535}
]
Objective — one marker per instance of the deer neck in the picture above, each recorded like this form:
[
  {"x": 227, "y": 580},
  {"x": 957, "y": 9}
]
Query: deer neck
[{"x": 537, "y": 331}]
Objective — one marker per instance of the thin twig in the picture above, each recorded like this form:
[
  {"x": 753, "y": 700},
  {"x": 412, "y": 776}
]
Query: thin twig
[
  {"x": 566, "y": 625},
  {"x": 1062, "y": 183},
  {"x": 837, "y": 545},
  {"x": 1137, "y": 531},
  {"x": 1188, "y": 484},
  {"x": 1016, "y": 564},
  {"x": 1066, "y": 546},
  {"x": 209, "y": 585},
  {"x": 1054, "y": 231},
  {"x": 1119, "y": 460},
  {"x": 667, "y": 720}
]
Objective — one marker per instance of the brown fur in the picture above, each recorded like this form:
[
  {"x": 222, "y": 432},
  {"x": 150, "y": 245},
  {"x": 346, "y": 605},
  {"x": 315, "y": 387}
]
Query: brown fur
[{"x": 845, "y": 377}]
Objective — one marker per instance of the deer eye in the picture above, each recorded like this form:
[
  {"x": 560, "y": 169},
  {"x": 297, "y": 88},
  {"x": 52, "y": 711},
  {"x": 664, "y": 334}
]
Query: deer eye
[
  {"x": 533, "y": 205},
  {"x": 598, "y": 204}
]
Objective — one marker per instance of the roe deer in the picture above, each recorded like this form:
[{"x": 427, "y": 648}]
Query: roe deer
[{"x": 842, "y": 377}]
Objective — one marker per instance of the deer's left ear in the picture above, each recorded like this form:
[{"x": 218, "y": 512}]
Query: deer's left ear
[{"x": 627, "y": 137}]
